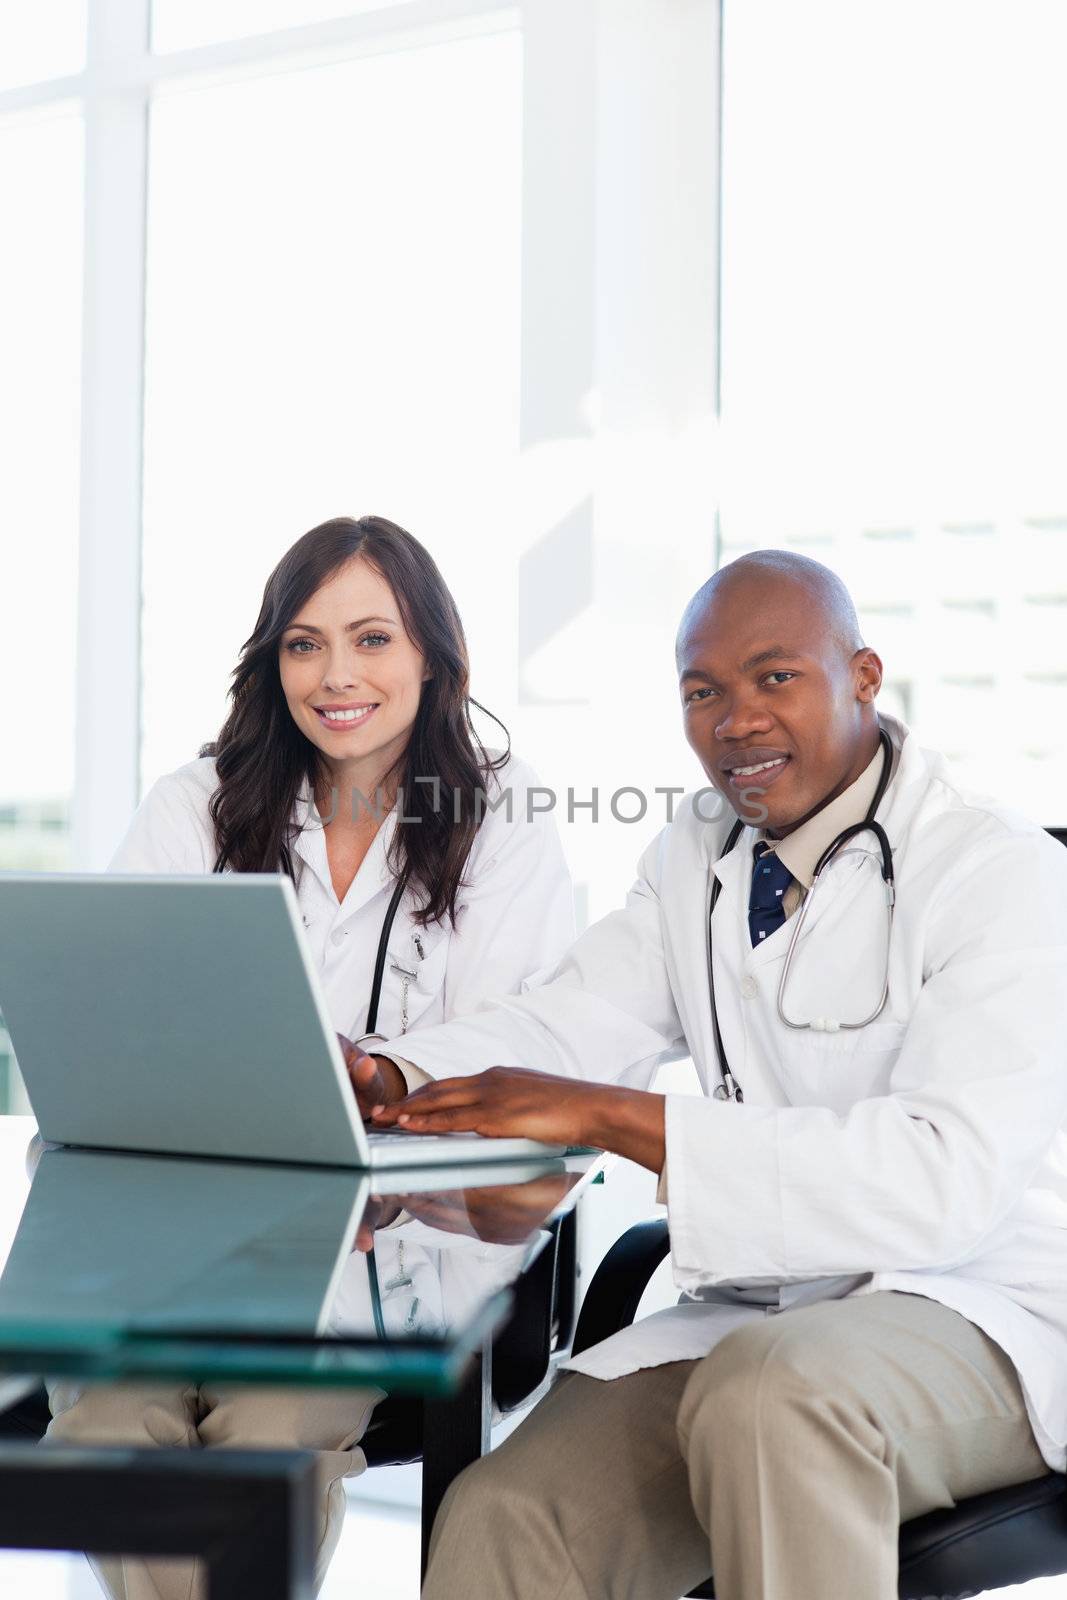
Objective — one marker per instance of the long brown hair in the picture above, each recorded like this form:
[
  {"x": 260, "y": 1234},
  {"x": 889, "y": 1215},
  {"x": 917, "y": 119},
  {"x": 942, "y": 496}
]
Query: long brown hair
[{"x": 263, "y": 760}]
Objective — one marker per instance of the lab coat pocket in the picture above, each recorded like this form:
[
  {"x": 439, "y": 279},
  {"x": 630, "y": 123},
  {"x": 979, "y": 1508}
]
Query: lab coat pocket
[
  {"x": 839, "y": 1069},
  {"x": 414, "y": 978}
]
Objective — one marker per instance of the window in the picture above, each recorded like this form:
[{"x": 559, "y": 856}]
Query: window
[
  {"x": 332, "y": 329},
  {"x": 44, "y": 39},
  {"x": 894, "y": 349},
  {"x": 40, "y": 334},
  {"x": 186, "y": 24}
]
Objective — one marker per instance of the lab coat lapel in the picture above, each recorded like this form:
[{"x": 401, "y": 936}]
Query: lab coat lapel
[
  {"x": 844, "y": 877},
  {"x": 310, "y": 841},
  {"x": 848, "y": 878},
  {"x": 687, "y": 900},
  {"x": 734, "y": 871}
]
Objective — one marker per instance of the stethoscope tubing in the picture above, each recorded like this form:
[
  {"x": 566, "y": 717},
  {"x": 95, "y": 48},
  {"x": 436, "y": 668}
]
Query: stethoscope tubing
[
  {"x": 372, "y": 1023},
  {"x": 729, "y": 1088}
]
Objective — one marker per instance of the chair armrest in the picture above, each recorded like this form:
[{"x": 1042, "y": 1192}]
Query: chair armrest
[
  {"x": 522, "y": 1348},
  {"x": 619, "y": 1282},
  {"x": 27, "y": 1418}
]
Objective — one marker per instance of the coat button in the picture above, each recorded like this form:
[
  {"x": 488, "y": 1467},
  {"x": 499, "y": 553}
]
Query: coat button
[{"x": 749, "y": 988}]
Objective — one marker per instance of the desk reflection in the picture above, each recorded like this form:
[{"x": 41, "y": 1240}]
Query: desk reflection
[
  {"x": 252, "y": 1306},
  {"x": 134, "y": 1246}
]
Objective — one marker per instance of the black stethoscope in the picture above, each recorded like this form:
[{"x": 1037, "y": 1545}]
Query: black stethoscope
[
  {"x": 372, "y": 1023},
  {"x": 729, "y": 1089}
]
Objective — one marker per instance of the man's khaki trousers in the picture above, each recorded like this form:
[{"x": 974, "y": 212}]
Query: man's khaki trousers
[
  {"x": 329, "y": 1421},
  {"x": 785, "y": 1460}
]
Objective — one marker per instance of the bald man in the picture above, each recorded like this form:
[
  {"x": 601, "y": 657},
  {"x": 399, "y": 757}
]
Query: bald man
[{"x": 866, "y": 1210}]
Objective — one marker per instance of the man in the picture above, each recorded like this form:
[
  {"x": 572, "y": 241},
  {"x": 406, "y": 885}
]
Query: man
[{"x": 897, "y": 1191}]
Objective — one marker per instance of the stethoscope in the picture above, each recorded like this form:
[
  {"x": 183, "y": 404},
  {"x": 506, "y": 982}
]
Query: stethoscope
[
  {"x": 369, "y": 1032},
  {"x": 379, "y": 967},
  {"x": 729, "y": 1088}
]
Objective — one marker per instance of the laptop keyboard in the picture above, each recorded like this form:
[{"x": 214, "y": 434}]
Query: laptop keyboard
[{"x": 381, "y": 1134}]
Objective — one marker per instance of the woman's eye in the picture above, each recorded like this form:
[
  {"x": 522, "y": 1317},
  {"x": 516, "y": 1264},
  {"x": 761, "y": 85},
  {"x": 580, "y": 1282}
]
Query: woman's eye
[
  {"x": 375, "y": 638},
  {"x": 300, "y": 647}
]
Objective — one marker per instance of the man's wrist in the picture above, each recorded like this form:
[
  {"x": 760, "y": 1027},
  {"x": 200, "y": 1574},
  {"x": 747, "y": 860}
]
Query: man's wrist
[{"x": 629, "y": 1122}]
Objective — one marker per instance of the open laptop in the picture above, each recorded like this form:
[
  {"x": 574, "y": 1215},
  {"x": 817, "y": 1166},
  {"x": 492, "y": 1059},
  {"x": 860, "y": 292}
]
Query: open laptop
[{"x": 184, "y": 1016}]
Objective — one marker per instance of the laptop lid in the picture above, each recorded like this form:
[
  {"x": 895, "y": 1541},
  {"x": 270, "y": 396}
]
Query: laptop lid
[{"x": 174, "y": 1015}]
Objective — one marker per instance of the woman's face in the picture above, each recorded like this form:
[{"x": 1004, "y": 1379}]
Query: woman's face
[{"x": 351, "y": 676}]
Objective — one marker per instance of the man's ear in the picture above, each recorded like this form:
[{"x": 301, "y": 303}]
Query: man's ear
[{"x": 868, "y": 668}]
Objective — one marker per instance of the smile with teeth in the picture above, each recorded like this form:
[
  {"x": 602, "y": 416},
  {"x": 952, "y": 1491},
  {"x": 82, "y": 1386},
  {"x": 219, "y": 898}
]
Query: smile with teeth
[
  {"x": 761, "y": 766},
  {"x": 357, "y": 714},
  {"x": 758, "y": 775}
]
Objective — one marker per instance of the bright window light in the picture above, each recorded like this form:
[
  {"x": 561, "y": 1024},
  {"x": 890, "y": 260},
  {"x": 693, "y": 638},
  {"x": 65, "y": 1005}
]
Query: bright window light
[
  {"x": 185, "y": 24},
  {"x": 332, "y": 329},
  {"x": 40, "y": 336},
  {"x": 894, "y": 361},
  {"x": 41, "y": 39}
]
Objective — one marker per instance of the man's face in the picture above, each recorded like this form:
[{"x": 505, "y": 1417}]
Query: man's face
[{"x": 765, "y": 685}]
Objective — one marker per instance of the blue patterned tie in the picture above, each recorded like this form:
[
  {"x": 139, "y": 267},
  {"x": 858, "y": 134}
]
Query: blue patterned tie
[{"x": 770, "y": 879}]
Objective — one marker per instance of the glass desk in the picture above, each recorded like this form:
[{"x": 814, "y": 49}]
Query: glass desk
[{"x": 119, "y": 1266}]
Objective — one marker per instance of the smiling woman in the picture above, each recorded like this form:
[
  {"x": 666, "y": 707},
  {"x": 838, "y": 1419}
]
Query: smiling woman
[
  {"x": 426, "y": 884},
  {"x": 359, "y": 639}
]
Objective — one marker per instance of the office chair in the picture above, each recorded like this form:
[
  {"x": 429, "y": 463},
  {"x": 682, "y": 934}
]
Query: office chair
[{"x": 986, "y": 1542}]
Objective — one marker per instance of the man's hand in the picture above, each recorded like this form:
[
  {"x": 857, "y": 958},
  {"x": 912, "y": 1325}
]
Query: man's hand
[
  {"x": 498, "y": 1213},
  {"x": 505, "y": 1102},
  {"x": 515, "y": 1103},
  {"x": 377, "y": 1081}
]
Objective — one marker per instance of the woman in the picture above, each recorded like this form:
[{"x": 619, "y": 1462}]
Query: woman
[{"x": 348, "y": 761}]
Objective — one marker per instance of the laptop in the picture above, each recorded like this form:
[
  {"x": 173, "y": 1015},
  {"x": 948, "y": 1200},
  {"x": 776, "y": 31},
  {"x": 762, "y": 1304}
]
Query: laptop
[{"x": 184, "y": 1016}]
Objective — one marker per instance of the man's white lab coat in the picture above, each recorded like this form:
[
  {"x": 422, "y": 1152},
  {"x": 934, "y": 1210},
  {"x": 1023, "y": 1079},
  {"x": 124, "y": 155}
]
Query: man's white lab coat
[{"x": 925, "y": 1152}]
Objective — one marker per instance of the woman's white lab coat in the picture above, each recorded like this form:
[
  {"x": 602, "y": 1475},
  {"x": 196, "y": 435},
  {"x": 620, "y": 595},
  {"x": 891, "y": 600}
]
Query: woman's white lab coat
[
  {"x": 515, "y": 913},
  {"x": 925, "y": 1152}
]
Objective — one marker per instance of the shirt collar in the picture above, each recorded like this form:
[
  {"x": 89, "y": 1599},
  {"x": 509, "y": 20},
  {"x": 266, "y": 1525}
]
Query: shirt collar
[
  {"x": 310, "y": 845},
  {"x": 801, "y": 849}
]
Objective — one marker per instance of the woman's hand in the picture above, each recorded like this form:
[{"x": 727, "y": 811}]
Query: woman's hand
[
  {"x": 377, "y": 1213},
  {"x": 377, "y": 1081}
]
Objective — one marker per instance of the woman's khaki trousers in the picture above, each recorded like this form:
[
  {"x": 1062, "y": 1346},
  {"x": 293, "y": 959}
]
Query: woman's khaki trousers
[
  {"x": 330, "y": 1421},
  {"x": 785, "y": 1460}
]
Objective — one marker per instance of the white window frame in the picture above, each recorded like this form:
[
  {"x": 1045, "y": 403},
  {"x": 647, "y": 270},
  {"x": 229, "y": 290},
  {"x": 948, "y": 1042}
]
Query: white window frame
[{"x": 619, "y": 297}]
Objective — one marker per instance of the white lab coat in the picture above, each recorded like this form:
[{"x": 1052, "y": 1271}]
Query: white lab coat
[
  {"x": 924, "y": 1153},
  {"x": 515, "y": 914}
]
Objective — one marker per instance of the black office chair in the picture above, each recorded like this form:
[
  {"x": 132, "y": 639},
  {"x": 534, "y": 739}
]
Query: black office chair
[{"x": 986, "y": 1542}]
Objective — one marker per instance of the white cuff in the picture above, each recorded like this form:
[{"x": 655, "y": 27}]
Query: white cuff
[{"x": 412, "y": 1075}]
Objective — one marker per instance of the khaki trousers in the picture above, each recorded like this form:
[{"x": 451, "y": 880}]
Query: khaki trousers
[
  {"x": 330, "y": 1421},
  {"x": 785, "y": 1460}
]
